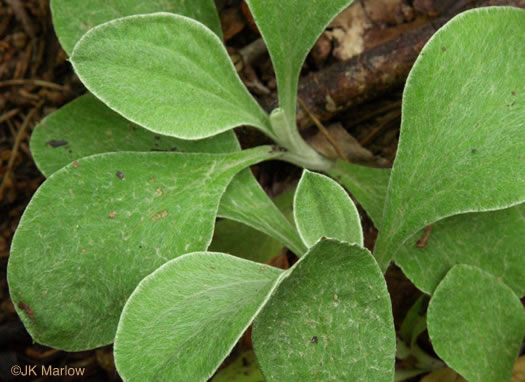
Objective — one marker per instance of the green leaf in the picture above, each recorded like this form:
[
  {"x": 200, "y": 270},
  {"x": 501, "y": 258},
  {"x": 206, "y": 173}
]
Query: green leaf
[
  {"x": 86, "y": 127},
  {"x": 476, "y": 324},
  {"x": 188, "y": 315},
  {"x": 368, "y": 185},
  {"x": 243, "y": 369},
  {"x": 461, "y": 146},
  {"x": 95, "y": 228},
  {"x": 290, "y": 29},
  {"x": 329, "y": 319},
  {"x": 322, "y": 208},
  {"x": 177, "y": 79},
  {"x": 487, "y": 240},
  {"x": 73, "y": 18},
  {"x": 246, "y": 202},
  {"x": 243, "y": 241}
]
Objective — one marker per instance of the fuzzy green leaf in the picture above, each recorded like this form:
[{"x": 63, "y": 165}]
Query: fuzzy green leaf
[
  {"x": 490, "y": 241},
  {"x": 487, "y": 240},
  {"x": 187, "y": 316},
  {"x": 86, "y": 127},
  {"x": 290, "y": 28},
  {"x": 167, "y": 73},
  {"x": 73, "y": 18},
  {"x": 476, "y": 324},
  {"x": 322, "y": 208},
  {"x": 246, "y": 202},
  {"x": 368, "y": 185},
  {"x": 95, "y": 228},
  {"x": 461, "y": 146},
  {"x": 329, "y": 319}
]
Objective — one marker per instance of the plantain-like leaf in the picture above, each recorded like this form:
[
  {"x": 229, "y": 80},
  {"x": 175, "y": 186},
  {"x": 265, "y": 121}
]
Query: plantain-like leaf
[
  {"x": 73, "y": 18},
  {"x": 322, "y": 208},
  {"x": 188, "y": 315},
  {"x": 86, "y": 127},
  {"x": 464, "y": 127},
  {"x": 329, "y": 319},
  {"x": 246, "y": 202},
  {"x": 490, "y": 241},
  {"x": 290, "y": 28},
  {"x": 98, "y": 226},
  {"x": 487, "y": 240},
  {"x": 476, "y": 324},
  {"x": 368, "y": 185},
  {"x": 167, "y": 73}
]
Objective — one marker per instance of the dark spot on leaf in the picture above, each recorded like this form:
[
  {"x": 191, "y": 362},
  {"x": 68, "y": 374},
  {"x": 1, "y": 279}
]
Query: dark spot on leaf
[
  {"x": 320, "y": 364},
  {"x": 112, "y": 214},
  {"x": 245, "y": 362},
  {"x": 133, "y": 127},
  {"x": 474, "y": 151},
  {"x": 513, "y": 93},
  {"x": 315, "y": 340},
  {"x": 70, "y": 151},
  {"x": 173, "y": 148},
  {"x": 56, "y": 143},
  {"x": 119, "y": 175},
  {"x": 157, "y": 137},
  {"x": 26, "y": 308},
  {"x": 444, "y": 48},
  {"x": 75, "y": 164},
  {"x": 519, "y": 156}
]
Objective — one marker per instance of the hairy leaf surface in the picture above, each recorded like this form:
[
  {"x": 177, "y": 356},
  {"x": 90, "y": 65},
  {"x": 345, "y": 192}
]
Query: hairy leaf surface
[
  {"x": 86, "y": 127},
  {"x": 187, "y": 316},
  {"x": 73, "y": 18},
  {"x": 461, "y": 146},
  {"x": 322, "y": 208},
  {"x": 167, "y": 73},
  {"x": 476, "y": 324},
  {"x": 290, "y": 29},
  {"x": 491, "y": 241},
  {"x": 329, "y": 319},
  {"x": 95, "y": 228}
]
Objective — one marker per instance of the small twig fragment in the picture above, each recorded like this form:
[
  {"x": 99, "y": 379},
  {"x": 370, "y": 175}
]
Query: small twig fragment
[{"x": 421, "y": 243}]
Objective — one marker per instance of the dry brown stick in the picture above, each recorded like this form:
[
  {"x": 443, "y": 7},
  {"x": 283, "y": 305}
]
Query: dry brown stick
[
  {"x": 21, "y": 15},
  {"x": 22, "y": 81},
  {"x": 374, "y": 113},
  {"x": 370, "y": 74},
  {"x": 16, "y": 145},
  {"x": 322, "y": 129},
  {"x": 375, "y": 131},
  {"x": 8, "y": 115}
]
